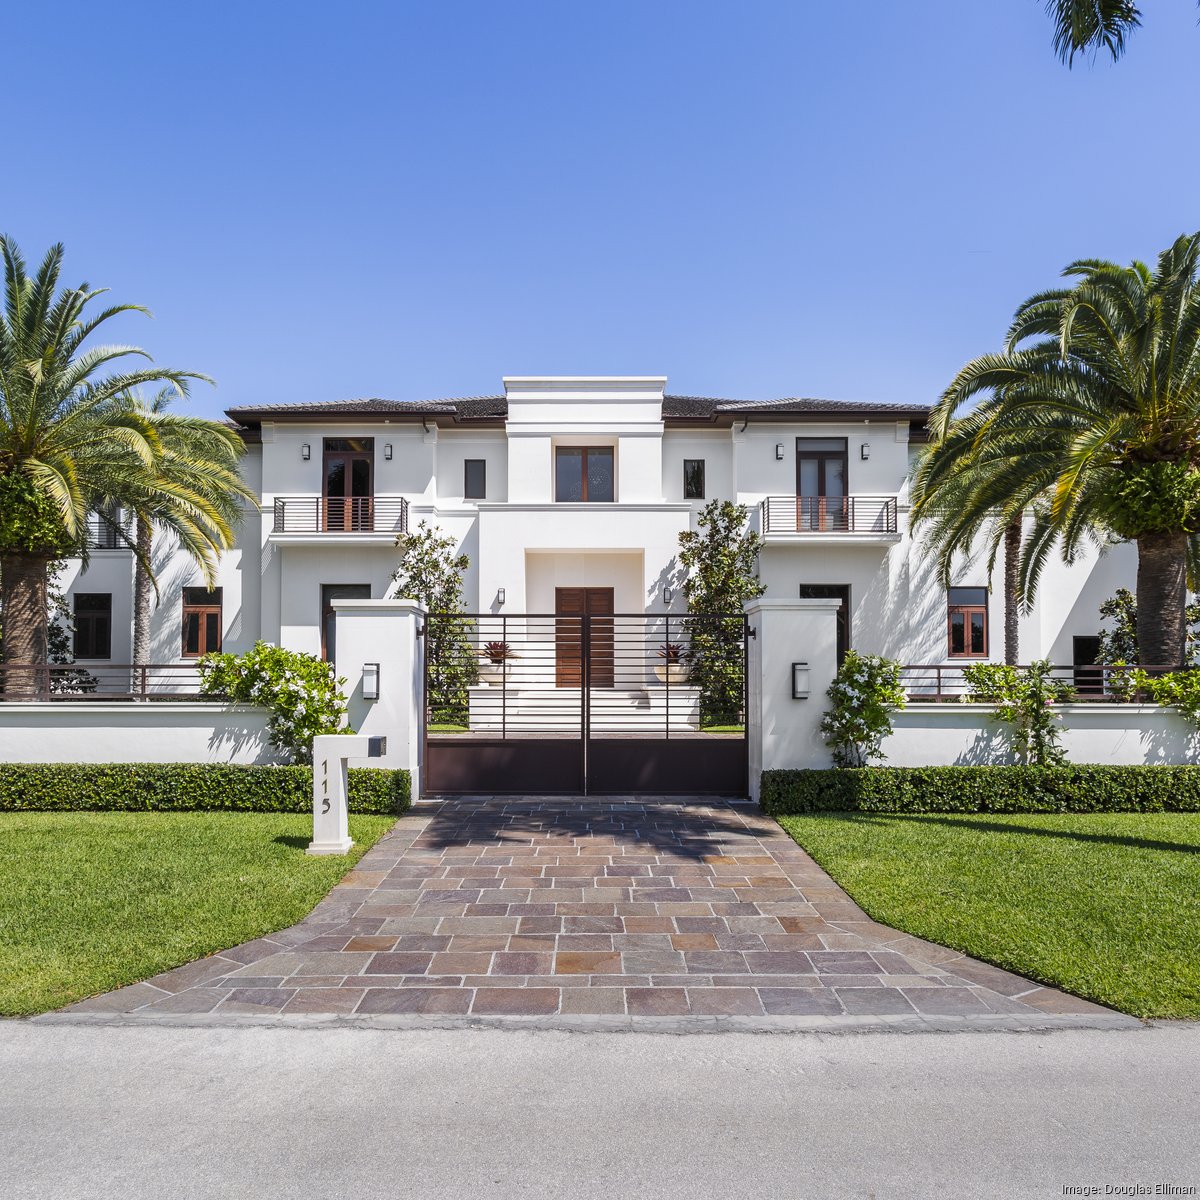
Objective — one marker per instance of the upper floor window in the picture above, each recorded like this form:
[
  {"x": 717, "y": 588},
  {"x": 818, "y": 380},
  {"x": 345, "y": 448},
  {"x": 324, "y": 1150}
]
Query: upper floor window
[
  {"x": 821, "y": 469},
  {"x": 693, "y": 479},
  {"x": 93, "y": 625},
  {"x": 201, "y": 621},
  {"x": 584, "y": 473},
  {"x": 967, "y": 621},
  {"x": 475, "y": 479},
  {"x": 348, "y": 489}
]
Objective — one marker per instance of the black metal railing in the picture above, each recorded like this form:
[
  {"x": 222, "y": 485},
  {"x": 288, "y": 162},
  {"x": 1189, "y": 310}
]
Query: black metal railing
[
  {"x": 829, "y": 514},
  {"x": 340, "y": 514},
  {"x": 942, "y": 683},
  {"x": 40, "y": 682}
]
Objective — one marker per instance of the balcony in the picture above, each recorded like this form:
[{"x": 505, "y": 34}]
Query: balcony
[
  {"x": 340, "y": 516},
  {"x": 830, "y": 518}
]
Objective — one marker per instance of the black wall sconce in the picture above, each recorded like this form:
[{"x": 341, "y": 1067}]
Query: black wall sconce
[
  {"x": 306, "y": 452},
  {"x": 387, "y": 451},
  {"x": 779, "y": 451}
]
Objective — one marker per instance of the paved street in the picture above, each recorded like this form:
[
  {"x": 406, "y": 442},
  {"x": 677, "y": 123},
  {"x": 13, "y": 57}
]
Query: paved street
[
  {"x": 593, "y": 913},
  {"x": 142, "y": 1112}
]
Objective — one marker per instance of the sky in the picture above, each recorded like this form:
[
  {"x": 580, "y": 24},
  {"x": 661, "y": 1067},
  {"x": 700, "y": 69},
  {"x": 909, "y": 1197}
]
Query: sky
[{"x": 329, "y": 201}]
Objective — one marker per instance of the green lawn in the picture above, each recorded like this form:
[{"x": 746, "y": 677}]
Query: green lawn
[
  {"x": 91, "y": 901},
  {"x": 1106, "y": 906}
]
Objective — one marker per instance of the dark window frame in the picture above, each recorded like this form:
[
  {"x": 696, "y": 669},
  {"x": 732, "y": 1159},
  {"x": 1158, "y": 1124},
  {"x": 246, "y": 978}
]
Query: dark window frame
[
  {"x": 691, "y": 492},
  {"x": 201, "y": 610},
  {"x": 349, "y": 511},
  {"x": 92, "y": 638},
  {"x": 967, "y": 611},
  {"x": 479, "y": 493},
  {"x": 584, "y": 452}
]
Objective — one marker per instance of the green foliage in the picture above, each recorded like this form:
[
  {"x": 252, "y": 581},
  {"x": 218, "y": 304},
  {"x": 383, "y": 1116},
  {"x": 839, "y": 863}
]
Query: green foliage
[
  {"x": 1119, "y": 643},
  {"x": 1024, "y": 699},
  {"x": 431, "y": 572},
  {"x": 1083, "y": 25},
  {"x": 1068, "y": 788},
  {"x": 300, "y": 690},
  {"x": 180, "y": 787},
  {"x": 718, "y": 558},
  {"x": 1179, "y": 690},
  {"x": 30, "y": 522},
  {"x": 864, "y": 694},
  {"x": 1154, "y": 497}
]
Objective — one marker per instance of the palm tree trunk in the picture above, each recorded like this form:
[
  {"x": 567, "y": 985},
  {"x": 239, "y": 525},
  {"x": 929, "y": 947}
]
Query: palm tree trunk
[
  {"x": 24, "y": 591},
  {"x": 143, "y": 590},
  {"x": 1161, "y": 598},
  {"x": 1012, "y": 568}
]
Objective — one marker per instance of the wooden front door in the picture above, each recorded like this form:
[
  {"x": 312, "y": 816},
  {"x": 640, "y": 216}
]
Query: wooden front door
[{"x": 578, "y": 602}]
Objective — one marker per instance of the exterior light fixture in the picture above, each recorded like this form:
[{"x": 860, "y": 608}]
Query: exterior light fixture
[
  {"x": 800, "y": 681},
  {"x": 668, "y": 595},
  {"x": 306, "y": 452},
  {"x": 864, "y": 451},
  {"x": 779, "y": 451},
  {"x": 499, "y": 595},
  {"x": 387, "y": 451},
  {"x": 370, "y": 681}
]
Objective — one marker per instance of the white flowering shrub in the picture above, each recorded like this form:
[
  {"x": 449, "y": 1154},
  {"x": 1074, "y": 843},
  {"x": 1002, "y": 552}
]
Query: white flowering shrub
[
  {"x": 1025, "y": 700},
  {"x": 864, "y": 694},
  {"x": 301, "y": 691}
]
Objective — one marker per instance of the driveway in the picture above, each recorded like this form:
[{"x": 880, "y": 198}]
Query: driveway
[{"x": 598, "y": 914}]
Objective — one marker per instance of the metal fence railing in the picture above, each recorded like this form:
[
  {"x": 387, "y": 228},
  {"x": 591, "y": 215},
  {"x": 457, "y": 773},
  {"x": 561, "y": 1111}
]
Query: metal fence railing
[
  {"x": 948, "y": 682},
  {"x": 340, "y": 514},
  {"x": 829, "y": 514},
  {"x": 162, "y": 682}
]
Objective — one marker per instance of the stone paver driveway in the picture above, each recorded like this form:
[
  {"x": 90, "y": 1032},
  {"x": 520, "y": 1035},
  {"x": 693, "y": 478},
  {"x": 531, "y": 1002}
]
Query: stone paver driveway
[{"x": 593, "y": 912}]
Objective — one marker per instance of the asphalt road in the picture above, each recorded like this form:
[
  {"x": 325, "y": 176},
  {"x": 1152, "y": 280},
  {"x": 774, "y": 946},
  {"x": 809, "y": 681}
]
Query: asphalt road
[{"x": 232, "y": 1112}]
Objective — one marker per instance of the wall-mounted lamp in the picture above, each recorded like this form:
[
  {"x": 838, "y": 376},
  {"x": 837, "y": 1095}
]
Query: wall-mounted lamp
[
  {"x": 864, "y": 451},
  {"x": 306, "y": 452},
  {"x": 668, "y": 595},
  {"x": 800, "y": 681},
  {"x": 370, "y": 681},
  {"x": 779, "y": 451},
  {"x": 500, "y": 596},
  {"x": 387, "y": 451}
]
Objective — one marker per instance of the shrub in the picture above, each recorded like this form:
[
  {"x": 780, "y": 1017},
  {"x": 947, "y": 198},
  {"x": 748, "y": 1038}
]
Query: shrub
[
  {"x": 865, "y": 692},
  {"x": 167, "y": 787},
  {"x": 1000, "y": 789},
  {"x": 300, "y": 690},
  {"x": 1024, "y": 698}
]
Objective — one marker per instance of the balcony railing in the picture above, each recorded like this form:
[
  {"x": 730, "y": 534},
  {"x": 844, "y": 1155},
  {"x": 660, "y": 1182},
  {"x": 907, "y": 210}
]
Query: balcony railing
[
  {"x": 829, "y": 514},
  {"x": 338, "y": 514},
  {"x": 100, "y": 681},
  {"x": 941, "y": 683}
]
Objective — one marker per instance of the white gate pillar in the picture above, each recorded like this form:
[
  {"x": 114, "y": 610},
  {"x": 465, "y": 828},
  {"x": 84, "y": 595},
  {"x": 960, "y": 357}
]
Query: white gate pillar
[
  {"x": 794, "y": 648},
  {"x": 379, "y": 655}
]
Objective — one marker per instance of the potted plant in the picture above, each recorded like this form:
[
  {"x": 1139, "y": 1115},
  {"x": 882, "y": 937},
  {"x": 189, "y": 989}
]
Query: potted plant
[
  {"x": 672, "y": 668},
  {"x": 496, "y": 657}
]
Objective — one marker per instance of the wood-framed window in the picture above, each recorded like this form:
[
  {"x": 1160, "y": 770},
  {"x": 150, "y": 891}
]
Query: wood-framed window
[
  {"x": 93, "y": 625},
  {"x": 967, "y": 622},
  {"x": 475, "y": 479},
  {"x": 201, "y": 621},
  {"x": 584, "y": 474},
  {"x": 693, "y": 479},
  {"x": 348, "y": 487},
  {"x": 821, "y": 487}
]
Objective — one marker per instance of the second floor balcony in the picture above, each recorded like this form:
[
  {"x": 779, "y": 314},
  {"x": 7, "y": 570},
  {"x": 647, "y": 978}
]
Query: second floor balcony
[
  {"x": 861, "y": 518},
  {"x": 340, "y": 516}
]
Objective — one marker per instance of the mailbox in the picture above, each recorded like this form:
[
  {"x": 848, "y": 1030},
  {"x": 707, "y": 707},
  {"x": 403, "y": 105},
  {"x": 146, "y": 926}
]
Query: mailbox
[{"x": 331, "y": 755}]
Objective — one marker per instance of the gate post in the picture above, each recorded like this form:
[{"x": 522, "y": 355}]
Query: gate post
[
  {"x": 379, "y": 655},
  {"x": 784, "y": 731}
]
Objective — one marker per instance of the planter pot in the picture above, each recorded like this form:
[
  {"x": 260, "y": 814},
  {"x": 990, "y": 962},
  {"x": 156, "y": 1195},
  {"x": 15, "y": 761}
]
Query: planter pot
[
  {"x": 677, "y": 672},
  {"x": 494, "y": 672}
]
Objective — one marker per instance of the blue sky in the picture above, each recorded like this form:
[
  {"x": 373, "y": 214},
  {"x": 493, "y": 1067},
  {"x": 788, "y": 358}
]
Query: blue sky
[{"x": 409, "y": 200}]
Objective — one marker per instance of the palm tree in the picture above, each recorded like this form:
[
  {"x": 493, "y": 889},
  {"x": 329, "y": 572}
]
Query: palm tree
[
  {"x": 70, "y": 442},
  {"x": 194, "y": 457},
  {"x": 1082, "y": 25},
  {"x": 1090, "y": 419}
]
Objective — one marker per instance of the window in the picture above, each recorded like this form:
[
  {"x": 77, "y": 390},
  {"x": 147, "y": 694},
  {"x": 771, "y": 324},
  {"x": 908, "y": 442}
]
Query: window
[
  {"x": 841, "y": 593},
  {"x": 329, "y": 593},
  {"x": 821, "y": 470},
  {"x": 968, "y": 622},
  {"x": 583, "y": 473},
  {"x": 693, "y": 479},
  {"x": 201, "y": 621},
  {"x": 93, "y": 625},
  {"x": 474, "y": 479},
  {"x": 348, "y": 498}
]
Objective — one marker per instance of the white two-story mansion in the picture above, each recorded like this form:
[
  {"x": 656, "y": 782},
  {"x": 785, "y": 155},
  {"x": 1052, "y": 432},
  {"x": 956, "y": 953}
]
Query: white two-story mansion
[{"x": 570, "y": 491}]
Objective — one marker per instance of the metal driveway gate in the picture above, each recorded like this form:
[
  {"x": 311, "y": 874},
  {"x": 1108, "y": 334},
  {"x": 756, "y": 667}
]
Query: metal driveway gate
[{"x": 585, "y": 702}]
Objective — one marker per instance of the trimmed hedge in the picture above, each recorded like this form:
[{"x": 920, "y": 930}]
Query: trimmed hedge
[
  {"x": 999, "y": 789},
  {"x": 180, "y": 787}
]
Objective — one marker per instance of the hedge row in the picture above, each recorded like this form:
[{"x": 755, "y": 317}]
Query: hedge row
[
  {"x": 1000, "y": 789},
  {"x": 177, "y": 787}
]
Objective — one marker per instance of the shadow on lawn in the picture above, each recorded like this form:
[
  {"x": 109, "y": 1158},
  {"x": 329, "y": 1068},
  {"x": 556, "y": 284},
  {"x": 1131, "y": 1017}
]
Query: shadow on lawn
[
  {"x": 985, "y": 826},
  {"x": 295, "y": 843}
]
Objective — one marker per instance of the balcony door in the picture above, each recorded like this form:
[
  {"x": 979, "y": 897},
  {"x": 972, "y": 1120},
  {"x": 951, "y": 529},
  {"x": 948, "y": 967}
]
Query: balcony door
[
  {"x": 348, "y": 495},
  {"x": 577, "y": 602},
  {"x": 821, "y": 470}
]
